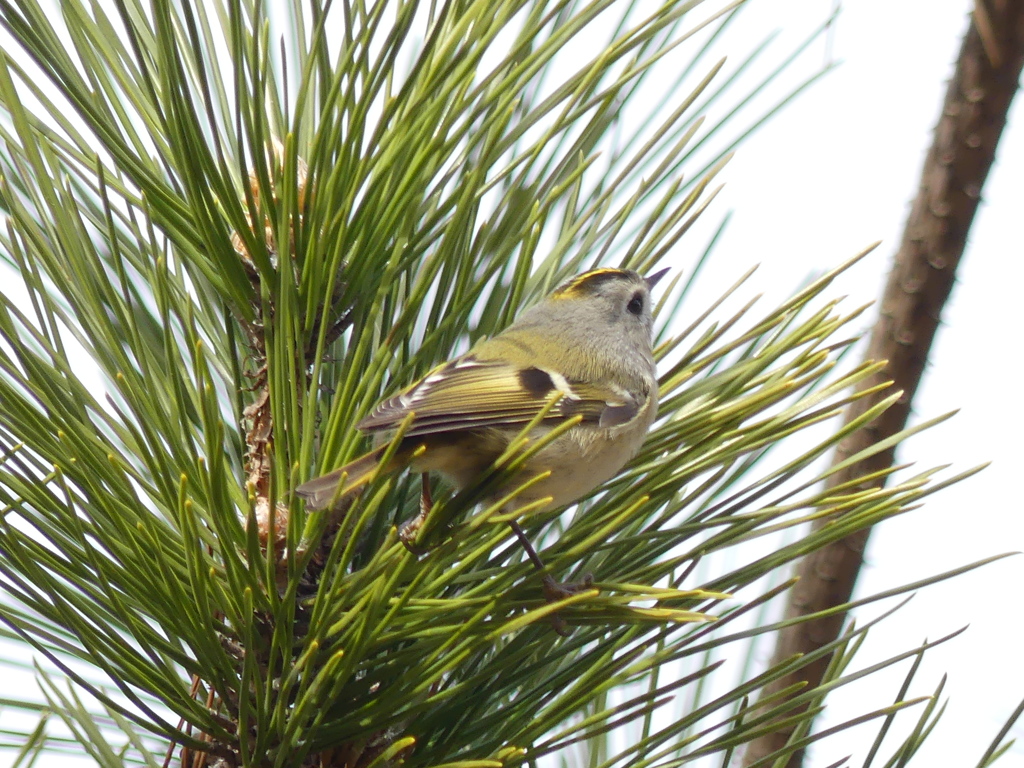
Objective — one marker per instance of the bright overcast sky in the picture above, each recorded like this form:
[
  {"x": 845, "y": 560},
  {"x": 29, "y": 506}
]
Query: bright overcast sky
[{"x": 833, "y": 173}]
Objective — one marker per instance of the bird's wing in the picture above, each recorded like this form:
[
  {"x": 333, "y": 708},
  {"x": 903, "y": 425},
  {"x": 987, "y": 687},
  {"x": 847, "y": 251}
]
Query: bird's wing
[{"x": 468, "y": 394}]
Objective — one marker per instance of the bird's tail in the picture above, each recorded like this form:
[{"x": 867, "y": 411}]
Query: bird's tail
[{"x": 324, "y": 491}]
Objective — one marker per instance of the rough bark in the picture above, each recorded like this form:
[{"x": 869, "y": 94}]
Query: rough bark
[{"x": 964, "y": 146}]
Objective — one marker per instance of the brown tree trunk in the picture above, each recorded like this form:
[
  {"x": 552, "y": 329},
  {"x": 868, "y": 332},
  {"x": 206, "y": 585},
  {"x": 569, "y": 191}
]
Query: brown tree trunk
[{"x": 972, "y": 119}]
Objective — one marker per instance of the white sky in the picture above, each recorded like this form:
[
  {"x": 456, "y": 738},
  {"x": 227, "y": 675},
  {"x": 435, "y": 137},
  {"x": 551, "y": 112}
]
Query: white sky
[{"x": 831, "y": 174}]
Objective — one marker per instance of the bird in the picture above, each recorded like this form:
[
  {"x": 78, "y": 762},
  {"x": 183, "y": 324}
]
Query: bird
[{"x": 584, "y": 353}]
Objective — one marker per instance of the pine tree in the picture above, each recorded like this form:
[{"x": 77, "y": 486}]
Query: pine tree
[{"x": 256, "y": 221}]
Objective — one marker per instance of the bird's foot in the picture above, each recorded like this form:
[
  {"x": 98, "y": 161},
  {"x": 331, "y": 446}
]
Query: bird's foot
[
  {"x": 559, "y": 590},
  {"x": 408, "y": 532}
]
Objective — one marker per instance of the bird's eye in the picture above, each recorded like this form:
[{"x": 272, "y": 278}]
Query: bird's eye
[{"x": 636, "y": 304}]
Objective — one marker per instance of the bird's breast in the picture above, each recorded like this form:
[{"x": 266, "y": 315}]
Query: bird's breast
[{"x": 579, "y": 461}]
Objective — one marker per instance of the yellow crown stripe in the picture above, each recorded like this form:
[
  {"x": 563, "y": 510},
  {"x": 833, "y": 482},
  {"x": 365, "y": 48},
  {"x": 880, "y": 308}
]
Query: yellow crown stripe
[{"x": 582, "y": 283}]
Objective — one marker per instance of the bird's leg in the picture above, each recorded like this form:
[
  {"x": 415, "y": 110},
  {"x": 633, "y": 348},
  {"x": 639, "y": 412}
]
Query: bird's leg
[
  {"x": 426, "y": 500},
  {"x": 407, "y": 533},
  {"x": 530, "y": 551},
  {"x": 553, "y": 590}
]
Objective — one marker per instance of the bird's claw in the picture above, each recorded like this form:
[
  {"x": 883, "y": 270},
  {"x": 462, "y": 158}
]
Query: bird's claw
[{"x": 559, "y": 590}]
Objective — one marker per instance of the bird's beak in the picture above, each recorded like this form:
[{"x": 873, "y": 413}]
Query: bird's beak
[{"x": 652, "y": 280}]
